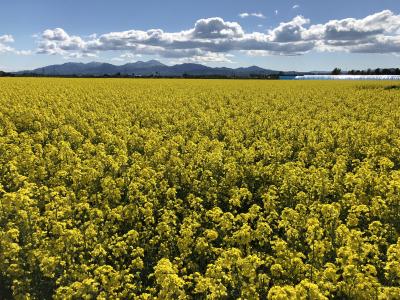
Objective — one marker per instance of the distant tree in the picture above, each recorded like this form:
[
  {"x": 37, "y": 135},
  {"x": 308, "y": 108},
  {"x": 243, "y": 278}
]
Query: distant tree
[
  {"x": 5, "y": 74},
  {"x": 336, "y": 71}
]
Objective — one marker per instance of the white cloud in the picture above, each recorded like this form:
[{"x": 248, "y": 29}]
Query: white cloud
[
  {"x": 355, "y": 29},
  {"x": 57, "y": 34},
  {"x": 256, "y": 15},
  {"x": 4, "y": 40},
  {"x": 213, "y": 35},
  {"x": 296, "y": 6},
  {"x": 376, "y": 33},
  {"x": 213, "y": 38},
  {"x": 79, "y": 55},
  {"x": 129, "y": 55},
  {"x": 291, "y": 31},
  {"x": 206, "y": 58},
  {"x": 7, "y": 39},
  {"x": 213, "y": 28},
  {"x": 276, "y": 12},
  {"x": 57, "y": 41},
  {"x": 126, "y": 57},
  {"x": 257, "y": 53},
  {"x": 5, "y": 48},
  {"x": 23, "y": 52}
]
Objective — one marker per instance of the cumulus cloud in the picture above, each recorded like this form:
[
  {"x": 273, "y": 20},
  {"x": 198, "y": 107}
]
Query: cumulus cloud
[
  {"x": 256, "y": 15},
  {"x": 5, "y": 41},
  {"x": 126, "y": 57},
  {"x": 79, "y": 55},
  {"x": 390, "y": 44},
  {"x": 296, "y": 6},
  {"x": 213, "y": 38},
  {"x": 57, "y": 34},
  {"x": 206, "y": 58},
  {"x": 57, "y": 41},
  {"x": 353, "y": 29},
  {"x": 377, "y": 33},
  {"x": 213, "y": 28},
  {"x": 291, "y": 31},
  {"x": 212, "y": 35},
  {"x": 7, "y": 38}
]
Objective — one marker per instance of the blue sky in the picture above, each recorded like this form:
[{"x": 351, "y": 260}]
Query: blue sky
[{"x": 284, "y": 35}]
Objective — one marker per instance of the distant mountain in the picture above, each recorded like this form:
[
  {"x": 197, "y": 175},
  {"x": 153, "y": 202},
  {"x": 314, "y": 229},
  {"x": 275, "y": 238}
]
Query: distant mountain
[
  {"x": 146, "y": 64},
  {"x": 92, "y": 68},
  {"x": 145, "y": 68}
]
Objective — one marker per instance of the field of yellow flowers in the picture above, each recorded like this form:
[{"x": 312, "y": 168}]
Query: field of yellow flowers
[{"x": 199, "y": 189}]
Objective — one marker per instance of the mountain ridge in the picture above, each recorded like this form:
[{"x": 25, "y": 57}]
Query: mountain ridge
[{"x": 145, "y": 68}]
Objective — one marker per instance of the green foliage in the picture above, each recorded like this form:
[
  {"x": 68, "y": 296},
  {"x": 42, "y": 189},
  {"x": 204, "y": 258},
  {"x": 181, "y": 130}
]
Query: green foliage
[{"x": 206, "y": 189}]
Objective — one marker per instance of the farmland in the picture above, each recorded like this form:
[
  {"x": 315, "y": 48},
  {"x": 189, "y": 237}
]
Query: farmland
[{"x": 199, "y": 189}]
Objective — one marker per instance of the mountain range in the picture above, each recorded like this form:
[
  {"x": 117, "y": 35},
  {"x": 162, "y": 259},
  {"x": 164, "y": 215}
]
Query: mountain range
[{"x": 145, "y": 68}]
